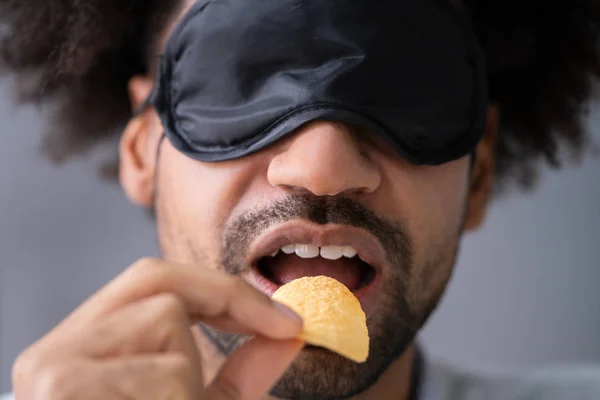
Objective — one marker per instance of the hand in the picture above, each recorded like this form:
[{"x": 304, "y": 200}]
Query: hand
[{"x": 132, "y": 340}]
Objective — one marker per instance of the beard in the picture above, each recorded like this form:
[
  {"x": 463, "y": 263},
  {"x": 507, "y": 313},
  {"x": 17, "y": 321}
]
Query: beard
[{"x": 408, "y": 294}]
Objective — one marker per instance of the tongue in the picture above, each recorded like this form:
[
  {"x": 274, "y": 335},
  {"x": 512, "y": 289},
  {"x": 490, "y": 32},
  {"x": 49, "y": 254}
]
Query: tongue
[{"x": 286, "y": 268}]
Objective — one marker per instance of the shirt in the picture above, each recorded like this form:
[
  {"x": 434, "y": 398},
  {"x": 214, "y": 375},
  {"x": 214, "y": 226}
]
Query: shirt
[{"x": 444, "y": 382}]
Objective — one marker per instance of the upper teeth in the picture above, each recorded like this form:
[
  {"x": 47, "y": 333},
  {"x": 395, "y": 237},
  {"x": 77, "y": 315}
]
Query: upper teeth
[{"x": 312, "y": 251}]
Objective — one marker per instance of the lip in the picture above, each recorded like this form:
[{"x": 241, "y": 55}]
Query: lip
[{"x": 369, "y": 249}]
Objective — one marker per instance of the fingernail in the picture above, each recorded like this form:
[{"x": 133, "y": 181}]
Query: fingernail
[{"x": 287, "y": 312}]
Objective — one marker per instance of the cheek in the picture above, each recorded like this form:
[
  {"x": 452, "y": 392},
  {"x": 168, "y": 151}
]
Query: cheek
[
  {"x": 430, "y": 199},
  {"x": 431, "y": 202},
  {"x": 194, "y": 200},
  {"x": 444, "y": 191}
]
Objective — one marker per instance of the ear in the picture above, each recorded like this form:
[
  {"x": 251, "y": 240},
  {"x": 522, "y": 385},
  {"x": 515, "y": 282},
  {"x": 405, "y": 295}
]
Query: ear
[
  {"x": 138, "y": 147},
  {"x": 482, "y": 173}
]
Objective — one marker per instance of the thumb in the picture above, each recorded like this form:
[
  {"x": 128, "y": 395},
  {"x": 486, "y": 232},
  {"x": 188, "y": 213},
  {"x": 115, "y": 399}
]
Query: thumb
[{"x": 253, "y": 369}]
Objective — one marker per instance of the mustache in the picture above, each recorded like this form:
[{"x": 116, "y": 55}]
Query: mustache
[{"x": 243, "y": 229}]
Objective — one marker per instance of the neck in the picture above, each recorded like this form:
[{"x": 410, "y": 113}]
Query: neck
[{"x": 395, "y": 383}]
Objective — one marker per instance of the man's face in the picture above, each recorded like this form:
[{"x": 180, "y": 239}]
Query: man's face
[
  {"x": 323, "y": 193},
  {"x": 325, "y": 185}
]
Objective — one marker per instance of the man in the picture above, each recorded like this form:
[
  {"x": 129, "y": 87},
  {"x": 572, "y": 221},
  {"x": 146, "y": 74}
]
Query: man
[{"x": 279, "y": 139}]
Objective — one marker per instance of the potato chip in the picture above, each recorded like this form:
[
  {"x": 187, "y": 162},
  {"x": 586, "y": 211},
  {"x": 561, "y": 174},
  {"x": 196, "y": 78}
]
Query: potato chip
[{"x": 332, "y": 315}]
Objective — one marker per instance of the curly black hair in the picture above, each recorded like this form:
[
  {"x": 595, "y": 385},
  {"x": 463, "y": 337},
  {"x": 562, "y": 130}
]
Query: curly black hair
[{"x": 543, "y": 61}]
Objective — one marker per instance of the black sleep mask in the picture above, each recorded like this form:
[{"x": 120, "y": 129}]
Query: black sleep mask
[{"x": 237, "y": 75}]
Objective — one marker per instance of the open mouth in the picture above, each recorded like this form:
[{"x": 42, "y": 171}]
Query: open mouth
[
  {"x": 299, "y": 248},
  {"x": 297, "y": 260}
]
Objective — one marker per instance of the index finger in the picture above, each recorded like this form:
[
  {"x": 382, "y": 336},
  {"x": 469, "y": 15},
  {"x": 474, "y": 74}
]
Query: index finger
[{"x": 205, "y": 294}]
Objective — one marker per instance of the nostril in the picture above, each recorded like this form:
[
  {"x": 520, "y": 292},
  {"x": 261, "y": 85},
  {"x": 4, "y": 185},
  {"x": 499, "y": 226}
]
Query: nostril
[
  {"x": 315, "y": 186},
  {"x": 296, "y": 189}
]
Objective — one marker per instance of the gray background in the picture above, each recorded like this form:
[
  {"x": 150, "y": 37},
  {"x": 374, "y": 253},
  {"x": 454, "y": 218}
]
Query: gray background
[{"x": 525, "y": 292}]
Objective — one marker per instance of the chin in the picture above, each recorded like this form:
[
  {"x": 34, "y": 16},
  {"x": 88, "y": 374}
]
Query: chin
[{"x": 320, "y": 374}]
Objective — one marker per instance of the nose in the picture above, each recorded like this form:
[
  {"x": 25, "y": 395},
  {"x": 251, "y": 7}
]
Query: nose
[{"x": 326, "y": 159}]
